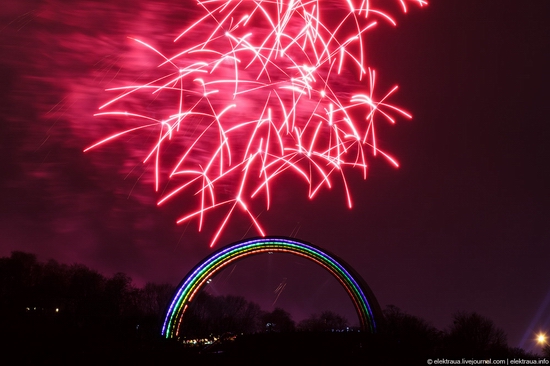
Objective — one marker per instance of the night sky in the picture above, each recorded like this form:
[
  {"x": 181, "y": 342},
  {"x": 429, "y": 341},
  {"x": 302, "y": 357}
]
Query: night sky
[{"x": 462, "y": 225}]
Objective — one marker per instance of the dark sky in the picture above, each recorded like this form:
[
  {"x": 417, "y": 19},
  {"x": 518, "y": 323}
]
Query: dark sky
[{"x": 461, "y": 225}]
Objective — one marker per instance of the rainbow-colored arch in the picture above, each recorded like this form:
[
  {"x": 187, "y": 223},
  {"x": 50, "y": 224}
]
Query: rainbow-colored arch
[{"x": 363, "y": 299}]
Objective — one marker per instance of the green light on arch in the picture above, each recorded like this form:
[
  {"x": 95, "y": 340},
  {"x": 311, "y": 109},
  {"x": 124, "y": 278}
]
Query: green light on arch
[{"x": 362, "y": 297}]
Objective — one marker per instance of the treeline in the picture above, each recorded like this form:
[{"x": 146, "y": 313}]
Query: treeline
[
  {"x": 402, "y": 337},
  {"x": 76, "y": 294},
  {"x": 85, "y": 299},
  {"x": 216, "y": 315},
  {"x": 57, "y": 314},
  {"x": 66, "y": 314},
  {"x": 470, "y": 335}
]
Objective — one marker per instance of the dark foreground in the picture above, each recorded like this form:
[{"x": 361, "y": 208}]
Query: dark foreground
[
  {"x": 40, "y": 341},
  {"x": 257, "y": 349}
]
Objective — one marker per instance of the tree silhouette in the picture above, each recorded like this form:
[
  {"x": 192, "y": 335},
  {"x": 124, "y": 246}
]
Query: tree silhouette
[
  {"x": 473, "y": 335},
  {"x": 154, "y": 298},
  {"x": 326, "y": 321},
  {"x": 410, "y": 337},
  {"x": 18, "y": 276},
  {"x": 215, "y": 315},
  {"x": 278, "y": 320}
]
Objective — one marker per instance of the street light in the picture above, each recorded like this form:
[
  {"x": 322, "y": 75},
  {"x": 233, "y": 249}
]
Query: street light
[{"x": 542, "y": 339}]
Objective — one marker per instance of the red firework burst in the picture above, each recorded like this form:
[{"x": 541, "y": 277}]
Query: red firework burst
[{"x": 260, "y": 89}]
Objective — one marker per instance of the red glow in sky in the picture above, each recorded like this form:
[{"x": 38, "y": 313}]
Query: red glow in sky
[{"x": 257, "y": 90}]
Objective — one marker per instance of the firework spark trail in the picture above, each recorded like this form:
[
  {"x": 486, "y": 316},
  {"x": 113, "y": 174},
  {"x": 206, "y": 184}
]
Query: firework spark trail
[
  {"x": 255, "y": 93},
  {"x": 278, "y": 291}
]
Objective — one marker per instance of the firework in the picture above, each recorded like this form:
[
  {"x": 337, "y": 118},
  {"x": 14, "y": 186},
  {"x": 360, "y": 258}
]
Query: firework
[{"x": 258, "y": 90}]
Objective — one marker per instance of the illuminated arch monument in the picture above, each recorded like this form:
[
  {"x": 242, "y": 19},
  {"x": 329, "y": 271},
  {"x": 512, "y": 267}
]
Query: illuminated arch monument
[{"x": 362, "y": 297}]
